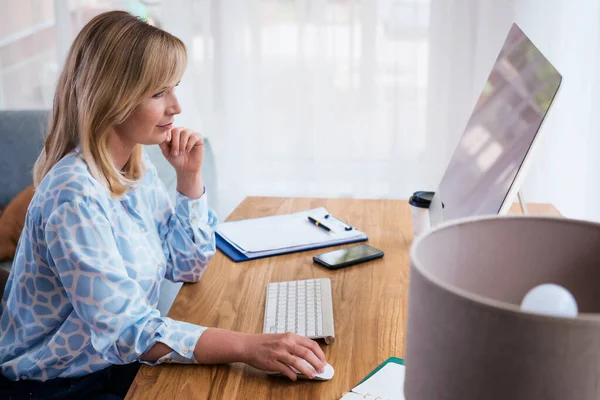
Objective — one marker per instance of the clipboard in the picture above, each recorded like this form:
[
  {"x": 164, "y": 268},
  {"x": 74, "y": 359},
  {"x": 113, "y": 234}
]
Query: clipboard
[{"x": 256, "y": 238}]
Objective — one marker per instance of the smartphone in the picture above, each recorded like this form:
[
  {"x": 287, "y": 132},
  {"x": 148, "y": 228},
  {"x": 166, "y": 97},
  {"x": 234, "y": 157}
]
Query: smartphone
[{"x": 348, "y": 256}]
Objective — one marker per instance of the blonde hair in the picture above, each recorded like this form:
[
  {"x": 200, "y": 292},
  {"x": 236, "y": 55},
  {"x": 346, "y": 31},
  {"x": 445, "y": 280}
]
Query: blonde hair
[{"x": 114, "y": 63}]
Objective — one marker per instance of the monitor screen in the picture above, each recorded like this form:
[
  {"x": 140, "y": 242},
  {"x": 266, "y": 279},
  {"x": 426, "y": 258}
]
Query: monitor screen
[{"x": 500, "y": 132}]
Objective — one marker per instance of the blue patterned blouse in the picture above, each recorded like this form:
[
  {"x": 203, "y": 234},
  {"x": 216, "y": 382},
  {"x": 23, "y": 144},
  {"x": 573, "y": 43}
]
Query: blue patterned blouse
[{"x": 84, "y": 285}]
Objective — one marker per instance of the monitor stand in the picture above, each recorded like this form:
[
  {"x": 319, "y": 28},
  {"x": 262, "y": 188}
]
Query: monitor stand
[{"x": 522, "y": 203}]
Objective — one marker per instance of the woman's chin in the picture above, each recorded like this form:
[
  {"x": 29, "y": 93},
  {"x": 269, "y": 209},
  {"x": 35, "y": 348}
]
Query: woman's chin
[{"x": 157, "y": 138}]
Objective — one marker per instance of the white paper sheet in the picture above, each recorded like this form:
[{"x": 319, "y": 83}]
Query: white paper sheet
[
  {"x": 289, "y": 231},
  {"x": 387, "y": 383}
]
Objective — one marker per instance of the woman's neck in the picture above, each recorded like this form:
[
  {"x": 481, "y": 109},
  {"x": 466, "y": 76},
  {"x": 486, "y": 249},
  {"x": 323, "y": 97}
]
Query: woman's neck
[{"x": 120, "y": 151}]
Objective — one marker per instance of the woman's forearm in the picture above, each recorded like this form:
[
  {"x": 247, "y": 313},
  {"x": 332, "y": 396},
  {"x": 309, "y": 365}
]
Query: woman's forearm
[
  {"x": 216, "y": 346},
  {"x": 220, "y": 346}
]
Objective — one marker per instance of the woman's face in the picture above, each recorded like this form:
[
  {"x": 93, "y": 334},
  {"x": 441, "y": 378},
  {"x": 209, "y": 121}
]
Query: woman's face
[{"x": 151, "y": 120}]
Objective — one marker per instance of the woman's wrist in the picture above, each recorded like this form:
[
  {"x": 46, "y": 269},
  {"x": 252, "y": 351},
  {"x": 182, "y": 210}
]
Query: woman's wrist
[
  {"x": 245, "y": 348},
  {"x": 190, "y": 184},
  {"x": 157, "y": 351}
]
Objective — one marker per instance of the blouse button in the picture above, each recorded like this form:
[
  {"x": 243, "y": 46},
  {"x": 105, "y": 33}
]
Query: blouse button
[
  {"x": 195, "y": 205},
  {"x": 194, "y": 220}
]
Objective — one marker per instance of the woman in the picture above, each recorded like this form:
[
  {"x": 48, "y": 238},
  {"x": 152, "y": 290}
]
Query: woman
[{"x": 100, "y": 233}]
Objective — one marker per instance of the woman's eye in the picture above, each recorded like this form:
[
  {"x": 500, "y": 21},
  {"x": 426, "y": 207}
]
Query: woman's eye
[{"x": 157, "y": 95}]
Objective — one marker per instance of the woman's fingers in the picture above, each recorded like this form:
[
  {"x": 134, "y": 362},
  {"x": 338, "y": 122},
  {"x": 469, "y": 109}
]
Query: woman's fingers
[
  {"x": 195, "y": 139},
  {"x": 299, "y": 364},
  {"x": 286, "y": 370},
  {"x": 184, "y": 137},
  {"x": 302, "y": 353},
  {"x": 175, "y": 133},
  {"x": 310, "y": 357},
  {"x": 179, "y": 139},
  {"x": 314, "y": 348}
]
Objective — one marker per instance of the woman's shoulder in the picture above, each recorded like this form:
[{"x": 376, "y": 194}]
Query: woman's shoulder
[{"x": 69, "y": 181}]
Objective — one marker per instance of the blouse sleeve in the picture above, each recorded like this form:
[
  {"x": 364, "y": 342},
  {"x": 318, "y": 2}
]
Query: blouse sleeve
[
  {"x": 187, "y": 232},
  {"x": 123, "y": 326}
]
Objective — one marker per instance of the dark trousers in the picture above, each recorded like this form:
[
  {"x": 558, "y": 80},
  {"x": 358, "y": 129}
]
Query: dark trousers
[{"x": 111, "y": 383}]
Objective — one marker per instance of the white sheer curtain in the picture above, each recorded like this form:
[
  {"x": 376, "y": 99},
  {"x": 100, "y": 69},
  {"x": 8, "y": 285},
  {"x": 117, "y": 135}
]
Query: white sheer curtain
[{"x": 309, "y": 97}]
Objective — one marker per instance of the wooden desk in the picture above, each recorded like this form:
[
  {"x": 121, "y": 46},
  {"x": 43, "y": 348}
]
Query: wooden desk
[{"x": 369, "y": 305}]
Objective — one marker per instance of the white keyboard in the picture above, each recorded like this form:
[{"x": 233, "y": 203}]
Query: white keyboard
[{"x": 303, "y": 307}]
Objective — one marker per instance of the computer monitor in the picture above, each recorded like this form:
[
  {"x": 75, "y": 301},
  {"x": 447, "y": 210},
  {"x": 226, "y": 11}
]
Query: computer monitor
[{"x": 489, "y": 163}]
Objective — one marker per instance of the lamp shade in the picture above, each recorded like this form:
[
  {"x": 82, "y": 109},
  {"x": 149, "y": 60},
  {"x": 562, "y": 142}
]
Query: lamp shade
[{"x": 467, "y": 337}]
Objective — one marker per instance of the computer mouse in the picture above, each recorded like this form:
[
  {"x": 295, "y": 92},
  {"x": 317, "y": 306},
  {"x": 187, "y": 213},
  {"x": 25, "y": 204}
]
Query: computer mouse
[{"x": 327, "y": 374}]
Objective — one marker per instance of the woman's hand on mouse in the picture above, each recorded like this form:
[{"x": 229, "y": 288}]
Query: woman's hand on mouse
[{"x": 276, "y": 352}]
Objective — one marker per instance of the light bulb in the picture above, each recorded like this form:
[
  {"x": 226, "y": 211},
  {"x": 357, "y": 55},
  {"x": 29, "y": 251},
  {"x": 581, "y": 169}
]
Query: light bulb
[{"x": 550, "y": 299}]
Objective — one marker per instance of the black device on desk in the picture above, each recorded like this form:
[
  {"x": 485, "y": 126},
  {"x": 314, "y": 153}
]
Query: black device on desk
[{"x": 348, "y": 256}]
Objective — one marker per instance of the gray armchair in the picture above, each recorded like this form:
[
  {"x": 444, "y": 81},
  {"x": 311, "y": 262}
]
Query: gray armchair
[{"x": 21, "y": 140}]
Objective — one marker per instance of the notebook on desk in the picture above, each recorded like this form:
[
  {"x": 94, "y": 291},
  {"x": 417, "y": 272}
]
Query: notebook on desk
[
  {"x": 283, "y": 234},
  {"x": 386, "y": 382}
]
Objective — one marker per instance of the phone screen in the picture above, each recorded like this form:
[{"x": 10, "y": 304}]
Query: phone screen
[{"x": 349, "y": 254}]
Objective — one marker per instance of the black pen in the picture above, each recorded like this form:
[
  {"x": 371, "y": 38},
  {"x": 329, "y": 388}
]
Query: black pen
[{"x": 320, "y": 225}]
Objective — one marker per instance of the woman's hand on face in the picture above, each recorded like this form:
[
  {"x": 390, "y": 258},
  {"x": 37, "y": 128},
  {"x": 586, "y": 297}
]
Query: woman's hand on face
[
  {"x": 184, "y": 149},
  {"x": 277, "y": 352}
]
